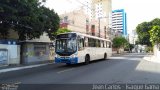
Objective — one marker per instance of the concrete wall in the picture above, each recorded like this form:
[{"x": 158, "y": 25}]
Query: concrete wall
[
  {"x": 43, "y": 38},
  {"x": 37, "y": 52},
  {"x": 13, "y": 53}
]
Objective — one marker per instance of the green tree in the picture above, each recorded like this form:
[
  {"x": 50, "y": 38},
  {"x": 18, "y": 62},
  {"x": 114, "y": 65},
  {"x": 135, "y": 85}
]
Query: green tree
[
  {"x": 129, "y": 47},
  {"x": 28, "y": 17},
  {"x": 155, "y": 34},
  {"x": 119, "y": 42},
  {"x": 50, "y": 21},
  {"x": 155, "y": 21},
  {"x": 61, "y": 30},
  {"x": 143, "y": 33}
]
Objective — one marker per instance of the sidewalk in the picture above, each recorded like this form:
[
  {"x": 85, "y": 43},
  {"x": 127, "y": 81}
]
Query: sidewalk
[
  {"x": 4, "y": 69},
  {"x": 151, "y": 58}
]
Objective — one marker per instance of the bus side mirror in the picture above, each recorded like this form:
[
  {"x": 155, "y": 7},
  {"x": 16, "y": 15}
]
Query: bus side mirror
[{"x": 52, "y": 44}]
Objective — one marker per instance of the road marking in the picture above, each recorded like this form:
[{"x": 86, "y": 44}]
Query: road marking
[
  {"x": 124, "y": 58},
  {"x": 66, "y": 70},
  {"x": 18, "y": 83}
]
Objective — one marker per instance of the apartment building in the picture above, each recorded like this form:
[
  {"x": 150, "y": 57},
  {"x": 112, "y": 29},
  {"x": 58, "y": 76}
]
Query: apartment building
[
  {"x": 92, "y": 18},
  {"x": 119, "y": 22},
  {"x": 75, "y": 21},
  {"x": 102, "y": 11}
]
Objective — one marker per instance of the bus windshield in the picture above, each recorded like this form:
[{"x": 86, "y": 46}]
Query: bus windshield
[{"x": 66, "y": 47}]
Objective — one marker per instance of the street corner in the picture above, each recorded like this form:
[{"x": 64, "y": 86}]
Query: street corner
[{"x": 151, "y": 58}]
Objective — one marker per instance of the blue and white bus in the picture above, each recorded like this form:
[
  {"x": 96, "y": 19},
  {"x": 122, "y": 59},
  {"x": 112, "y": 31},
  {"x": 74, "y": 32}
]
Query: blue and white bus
[{"x": 73, "y": 48}]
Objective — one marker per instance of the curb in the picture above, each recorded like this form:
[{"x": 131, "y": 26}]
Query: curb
[{"x": 115, "y": 54}]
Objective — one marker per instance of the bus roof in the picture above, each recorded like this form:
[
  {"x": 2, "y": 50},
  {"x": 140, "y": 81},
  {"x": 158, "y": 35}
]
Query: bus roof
[{"x": 85, "y": 35}]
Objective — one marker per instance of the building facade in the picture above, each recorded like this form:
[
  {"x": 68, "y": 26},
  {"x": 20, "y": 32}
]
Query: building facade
[
  {"x": 133, "y": 37},
  {"x": 119, "y": 22},
  {"x": 93, "y": 18},
  {"x": 75, "y": 21},
  {"x": 37, "y": 50},
  {"x": 13, "y": 52},
  {"x": 102, "y": 12},
  {"x": 101, "y": 9},
  {"x": 9, "y": 49},
  {"x": 9, "y": 52}
]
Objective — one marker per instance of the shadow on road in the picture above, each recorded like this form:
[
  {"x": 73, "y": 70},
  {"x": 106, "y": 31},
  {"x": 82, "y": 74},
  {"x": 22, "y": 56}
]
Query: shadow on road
[{"x": 120, "y": 69}]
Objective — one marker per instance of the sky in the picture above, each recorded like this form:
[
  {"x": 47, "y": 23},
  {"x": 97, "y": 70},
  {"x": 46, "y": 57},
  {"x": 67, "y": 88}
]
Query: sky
[{"x": 137, "y": 11}]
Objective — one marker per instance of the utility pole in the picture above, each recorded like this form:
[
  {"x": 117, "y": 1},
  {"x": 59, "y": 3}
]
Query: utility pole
[
  {"x": 99, "y": 26},
  {"x": 105, "y": 32},
  {"x": 87, "y": 26}
]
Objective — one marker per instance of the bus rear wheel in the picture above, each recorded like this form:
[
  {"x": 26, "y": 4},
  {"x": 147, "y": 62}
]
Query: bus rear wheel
[
  {"x": 105, "y": 56},
  {"x": 68, "y": 64},
  {"x": 87, "y": 59}
]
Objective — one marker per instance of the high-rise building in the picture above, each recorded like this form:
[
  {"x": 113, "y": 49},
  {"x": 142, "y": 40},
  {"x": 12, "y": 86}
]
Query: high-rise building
[
  {"x": 102, "y": 13},
  {"x": 119, "y": 22},
  {"x": 101, "y": 9}
]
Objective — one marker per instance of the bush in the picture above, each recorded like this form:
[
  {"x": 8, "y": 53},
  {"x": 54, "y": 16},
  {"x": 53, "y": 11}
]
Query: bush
[{"x": 149, "y": 49}]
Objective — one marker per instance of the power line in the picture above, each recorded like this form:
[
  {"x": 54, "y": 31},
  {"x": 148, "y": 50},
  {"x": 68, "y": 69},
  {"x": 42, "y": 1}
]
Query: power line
[
  {"x": 84, "y": 5},
  {"x": 69, "y": 1}
]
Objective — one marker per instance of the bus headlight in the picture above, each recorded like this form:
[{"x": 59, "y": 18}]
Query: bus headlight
[
  {"x": 57, "y": 56},
  {"x": 73, "y": 56}
]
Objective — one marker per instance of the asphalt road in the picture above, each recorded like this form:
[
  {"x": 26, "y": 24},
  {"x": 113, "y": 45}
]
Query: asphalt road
[{"x": 129, "y": 68}]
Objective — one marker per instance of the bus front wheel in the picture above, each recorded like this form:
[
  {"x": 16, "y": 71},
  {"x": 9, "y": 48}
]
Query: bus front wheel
[{"x": 87, "y": 59}]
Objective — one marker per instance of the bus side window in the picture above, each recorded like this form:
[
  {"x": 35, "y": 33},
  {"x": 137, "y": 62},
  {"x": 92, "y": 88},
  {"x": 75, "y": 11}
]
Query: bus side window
[
  {"x": 104, "y": 44},
  {"x": 107, "y": 44},
  {"x": 101, "y": 43},
  {"x": 85, "y": 42},
  {"x": 97, "y": 43},
  {"x": 110, "y": 45},
  {"x": 89, "y": 42},
  {"x": 92, "y": 42},
  {"x": 80, "y": 44}
]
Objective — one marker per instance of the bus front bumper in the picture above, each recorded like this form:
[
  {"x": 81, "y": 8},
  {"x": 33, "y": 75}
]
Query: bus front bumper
[{"x": 67, "y": 60}]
